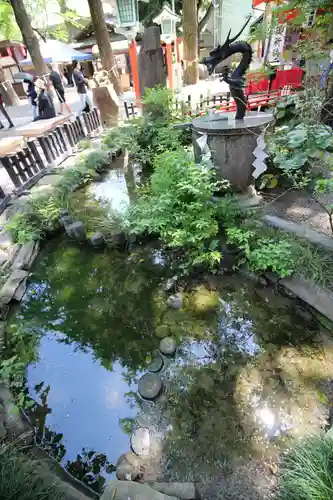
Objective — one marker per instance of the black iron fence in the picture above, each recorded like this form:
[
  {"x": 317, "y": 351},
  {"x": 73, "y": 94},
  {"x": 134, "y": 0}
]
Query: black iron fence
[{"x": 187, "y": 107}]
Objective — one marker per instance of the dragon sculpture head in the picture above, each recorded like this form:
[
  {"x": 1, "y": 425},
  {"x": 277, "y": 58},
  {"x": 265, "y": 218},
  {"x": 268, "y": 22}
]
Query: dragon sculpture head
[{"x": 222, "y": 52}]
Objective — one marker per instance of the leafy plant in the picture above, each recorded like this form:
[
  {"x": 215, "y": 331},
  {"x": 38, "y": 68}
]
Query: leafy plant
[
  {"x": 307, "y": 470},
  {"x": 150, "y": 134},
  {"x": 263, "y": 253},
  {"x": 177, "y": 206},
  {"x": 20, "y": 350}
]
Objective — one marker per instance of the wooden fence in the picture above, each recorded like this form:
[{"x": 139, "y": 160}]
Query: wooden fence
[{"x": 28, "y": 165}]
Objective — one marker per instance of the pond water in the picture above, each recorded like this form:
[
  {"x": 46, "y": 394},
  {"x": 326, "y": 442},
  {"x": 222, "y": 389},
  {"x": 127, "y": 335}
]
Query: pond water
[{"x": 251, "y": 372}]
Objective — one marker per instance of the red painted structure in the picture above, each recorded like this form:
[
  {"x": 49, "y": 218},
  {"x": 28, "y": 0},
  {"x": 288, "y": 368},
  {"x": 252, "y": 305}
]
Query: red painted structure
[{"x": 292, "y": 77}]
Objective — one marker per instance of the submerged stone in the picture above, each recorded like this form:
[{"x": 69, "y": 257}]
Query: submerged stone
[
  {"x": 150, "y": 386},
  {"x": 156, "y": 365},
  {"x": 168, "y": 346}
]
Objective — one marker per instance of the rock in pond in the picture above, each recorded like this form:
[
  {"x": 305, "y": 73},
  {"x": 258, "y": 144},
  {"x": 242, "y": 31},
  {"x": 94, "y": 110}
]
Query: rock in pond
[
  {"x": 140, "y": 442},
  {"x": 156, "y": 364},
  {"x": 168, "y": 346},
  {"x": 77, "y": 230},
  {"x": 66, "y": 220},
  {"x": 97, "y": 239},
  {"x": 175, "y": 301},
  {"x": 128, "y": 467},
  {"x": 150, "y": 386}
]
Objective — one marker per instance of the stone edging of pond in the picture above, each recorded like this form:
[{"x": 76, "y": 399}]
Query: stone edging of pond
[{"x": 313, "y": 295}]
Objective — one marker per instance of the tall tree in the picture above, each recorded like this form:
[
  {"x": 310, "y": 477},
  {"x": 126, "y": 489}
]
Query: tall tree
[
  {"x": 103, "y": 42},
  {"x": 190, "y": 29},
  {"x": 29, "y": 37}
]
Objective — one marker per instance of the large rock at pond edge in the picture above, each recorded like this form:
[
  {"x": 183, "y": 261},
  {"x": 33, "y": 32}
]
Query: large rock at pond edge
[
  {"x": 15, "y": 286},
  {"x": 128, "y": 467},
  {"x": 183, "y": 491},
  {"x": 129, "y": 490},
  {"x": 26, "y": 255},
  {"x": 150, "y": 386}
]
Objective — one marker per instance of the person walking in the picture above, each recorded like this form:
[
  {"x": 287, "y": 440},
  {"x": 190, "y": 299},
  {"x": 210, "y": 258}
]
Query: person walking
[
  {"x": 56, "y": 79},
  {"x": 32, "y": 97},
  {"x": 45, "y": 104},
  {"x": 81, "y": 86},
  {"x": 6, "y": 115}
]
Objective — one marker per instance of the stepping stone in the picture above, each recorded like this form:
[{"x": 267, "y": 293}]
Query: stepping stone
[
  {"x": 141, "y": 441},
  {"x": 150, "y": 386},
  {"x": 77, "y": 230},
  {"x": 168, "y": 346},
  {"x": 97, "y": 239},
  {"x": 175, "y": 301},
  {"x": 66, "y": 220},
  {"x": 63, "y": 212},
  {"x": 156, "y": 364}
]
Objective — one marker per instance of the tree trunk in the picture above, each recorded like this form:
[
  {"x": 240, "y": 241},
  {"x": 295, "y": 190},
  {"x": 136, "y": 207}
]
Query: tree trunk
[
  {"x": 29, "y": 37},
  {"x": 190, "y": 28},
  {"x": 203, "y": 22},
  {"x": 8, "y": 93},
  {"x": 103, "y": 42}
]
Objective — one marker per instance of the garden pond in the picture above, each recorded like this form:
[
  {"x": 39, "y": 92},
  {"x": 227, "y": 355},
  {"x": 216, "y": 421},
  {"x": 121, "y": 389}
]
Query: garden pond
[{"x": 252, "y": 370}]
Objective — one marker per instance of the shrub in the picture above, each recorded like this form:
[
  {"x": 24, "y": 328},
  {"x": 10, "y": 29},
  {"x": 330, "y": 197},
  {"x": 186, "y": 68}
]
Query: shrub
[
  {"x": 307, "y": 470},
  {"x": 177, "y": 206},
  {"x": 150, "y": 134},
  {"x": 24, "y": 227}
]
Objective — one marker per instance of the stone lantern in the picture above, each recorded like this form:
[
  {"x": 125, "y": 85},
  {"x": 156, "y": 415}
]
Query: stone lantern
[{"x": 168, "y": 19}]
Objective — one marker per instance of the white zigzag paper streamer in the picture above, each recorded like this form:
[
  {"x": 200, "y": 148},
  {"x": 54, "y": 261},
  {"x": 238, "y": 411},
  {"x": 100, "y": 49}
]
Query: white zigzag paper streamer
[{"x": 260, "y": 156}]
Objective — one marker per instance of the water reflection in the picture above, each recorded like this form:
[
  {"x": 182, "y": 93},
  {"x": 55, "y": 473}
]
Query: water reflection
[{"x": 244, "y": 380}]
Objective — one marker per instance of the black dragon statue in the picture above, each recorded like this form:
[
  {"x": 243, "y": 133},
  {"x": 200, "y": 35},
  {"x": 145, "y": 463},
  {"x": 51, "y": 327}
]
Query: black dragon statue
[{"x": 235, "y": 79}]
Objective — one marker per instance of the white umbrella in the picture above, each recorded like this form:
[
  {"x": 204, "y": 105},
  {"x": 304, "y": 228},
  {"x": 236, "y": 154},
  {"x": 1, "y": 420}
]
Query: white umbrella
[{"x": 58, "y": 52}]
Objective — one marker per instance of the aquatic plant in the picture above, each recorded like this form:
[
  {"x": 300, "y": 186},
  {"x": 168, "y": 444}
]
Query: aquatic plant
[{"x": 307, "y": 470}]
